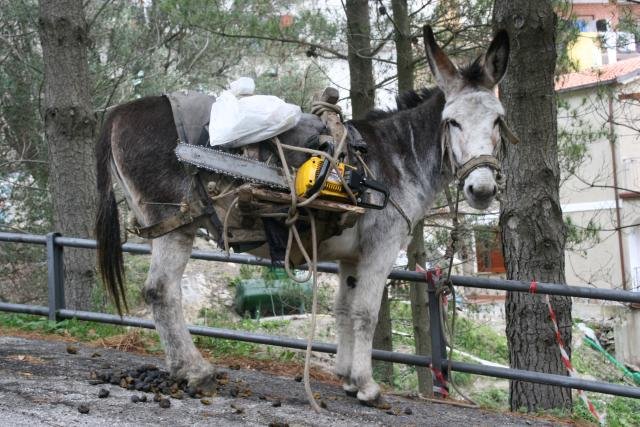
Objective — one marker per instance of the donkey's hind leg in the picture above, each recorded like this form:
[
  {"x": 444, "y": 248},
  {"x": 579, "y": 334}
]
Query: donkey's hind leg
[{"x": 169, "y": 256}]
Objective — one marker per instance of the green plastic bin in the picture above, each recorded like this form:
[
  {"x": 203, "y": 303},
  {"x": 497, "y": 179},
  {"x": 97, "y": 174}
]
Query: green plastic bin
[{"x": 265, "y": 298}]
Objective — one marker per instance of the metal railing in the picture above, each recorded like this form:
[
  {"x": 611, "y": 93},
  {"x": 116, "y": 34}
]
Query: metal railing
[{"x": 438, "y": 360}]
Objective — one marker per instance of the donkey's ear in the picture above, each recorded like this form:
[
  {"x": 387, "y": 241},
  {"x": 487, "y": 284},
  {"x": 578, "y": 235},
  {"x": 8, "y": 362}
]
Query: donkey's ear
[
  {"x": 446, "y": 74},
  {"x": 497, "y": 58}
]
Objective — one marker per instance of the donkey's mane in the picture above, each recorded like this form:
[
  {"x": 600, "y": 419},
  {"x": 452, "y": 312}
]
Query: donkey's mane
[
  {"x": 472, "y": 73},
  {"x": 405, "y": 101}
]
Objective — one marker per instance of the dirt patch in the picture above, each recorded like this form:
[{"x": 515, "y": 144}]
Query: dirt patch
[
  {"x": 134, "y": 341},
  {"x": 285, "y": 369},
  {"x": 25, "y": 358},
  {"x": 14, "y": 332},
  {"x": 52, "y": 394}
]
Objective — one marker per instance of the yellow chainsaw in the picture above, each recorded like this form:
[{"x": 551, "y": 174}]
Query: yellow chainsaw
[
  {"x": 317, "y": 175},
  {"x": 314, "y": 175}
]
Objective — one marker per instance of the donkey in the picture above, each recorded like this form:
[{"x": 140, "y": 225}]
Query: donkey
[{"x": 405, "y": 151}]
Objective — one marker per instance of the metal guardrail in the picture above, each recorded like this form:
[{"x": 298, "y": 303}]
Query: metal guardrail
[{"x": 56, "y": 311}]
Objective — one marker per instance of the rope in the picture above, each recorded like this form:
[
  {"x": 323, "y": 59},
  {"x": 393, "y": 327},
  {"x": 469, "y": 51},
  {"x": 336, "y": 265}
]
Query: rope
[
  {"x": 314, "y": 310},
  {"x": 291, "y": 218},
  {"x": 319, "y": 107},
  {"x": 445, "y": 287}
]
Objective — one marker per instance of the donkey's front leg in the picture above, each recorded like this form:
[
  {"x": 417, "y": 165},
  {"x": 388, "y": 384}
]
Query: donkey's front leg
[
  {"x": 344, "y": 326},
  {"x": 373, "y": 270},
  {"x": 169, "y": 256}
]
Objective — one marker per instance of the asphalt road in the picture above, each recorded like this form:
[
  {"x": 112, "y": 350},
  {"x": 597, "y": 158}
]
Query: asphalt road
[{"x": 42, "y": 384}]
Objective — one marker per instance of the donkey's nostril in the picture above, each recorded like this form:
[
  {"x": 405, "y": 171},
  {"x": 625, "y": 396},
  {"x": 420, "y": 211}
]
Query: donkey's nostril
[
  {"x": 471, "y": 189},
  {"x": 495, "y": 190}
]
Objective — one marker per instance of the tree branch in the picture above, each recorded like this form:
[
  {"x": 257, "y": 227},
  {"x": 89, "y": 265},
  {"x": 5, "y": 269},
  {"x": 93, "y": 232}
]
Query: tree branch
[
  {"x": 299, "y": 42},
  {"x": 594, "y": 185}
]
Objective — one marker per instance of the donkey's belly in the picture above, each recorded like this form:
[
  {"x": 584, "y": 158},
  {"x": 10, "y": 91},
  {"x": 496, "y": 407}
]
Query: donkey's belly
[{"x": 341, "y": 247}]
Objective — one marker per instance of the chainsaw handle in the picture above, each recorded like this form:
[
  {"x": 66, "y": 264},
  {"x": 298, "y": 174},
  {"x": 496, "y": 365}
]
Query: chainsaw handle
[
  {"x": 320, "y": 179},
  {"x": 376, "y": 186}
]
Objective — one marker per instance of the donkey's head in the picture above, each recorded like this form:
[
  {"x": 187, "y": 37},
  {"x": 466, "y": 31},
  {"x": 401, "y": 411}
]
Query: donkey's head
[{"x": 472, "y": 117}]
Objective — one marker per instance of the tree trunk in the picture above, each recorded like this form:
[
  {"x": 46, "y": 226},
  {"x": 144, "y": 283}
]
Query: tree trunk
[
  {"x": 359, "y": 56},
  {"x": 363, "y": 101},
  {"x": 416, "y": 254},
  {"x": 533, "y": 233},
  {"x": 404, "y": 53},
  {"x": 416, "y": 251},
  {"x": 69, "y": 128},
  {"x": 383, "y": 340}
]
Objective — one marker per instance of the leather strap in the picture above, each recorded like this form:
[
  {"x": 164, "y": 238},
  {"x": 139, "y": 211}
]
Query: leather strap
[
  {"x": 189, "y": 212},
  {"x": 475, "y": 163}
]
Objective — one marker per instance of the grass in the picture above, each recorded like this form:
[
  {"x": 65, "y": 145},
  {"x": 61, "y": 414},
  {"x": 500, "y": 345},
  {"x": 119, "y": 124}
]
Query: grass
[
  {"x": 78, "y": 329},
  {"x": 492, "y": 398},
  {"x": 471, "y": 337},
  {"x": 481, "y": 341},
  {"x": 239, "y": 348}
]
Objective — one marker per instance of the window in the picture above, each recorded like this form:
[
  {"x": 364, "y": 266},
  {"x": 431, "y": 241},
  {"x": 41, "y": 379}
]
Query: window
[
  {"x": 489, "y": 258},
  {"x": 586, "y": 23}
]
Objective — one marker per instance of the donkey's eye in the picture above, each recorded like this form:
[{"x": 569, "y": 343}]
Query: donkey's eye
[
  {"x": 455, "y": 124},
  {"x": 497, "y": 122}
]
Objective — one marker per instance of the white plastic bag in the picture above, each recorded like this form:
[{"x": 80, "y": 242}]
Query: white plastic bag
[{"x": 235, "y": 122}]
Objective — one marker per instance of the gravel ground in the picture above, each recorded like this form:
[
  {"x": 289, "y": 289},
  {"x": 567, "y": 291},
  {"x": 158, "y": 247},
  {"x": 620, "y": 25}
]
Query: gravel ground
[{"x": 42, "y": 384}]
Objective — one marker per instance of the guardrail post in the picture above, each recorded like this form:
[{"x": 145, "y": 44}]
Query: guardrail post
[
  {"x": 55, "y": 276},
  {"x": 438, "y": 344}
]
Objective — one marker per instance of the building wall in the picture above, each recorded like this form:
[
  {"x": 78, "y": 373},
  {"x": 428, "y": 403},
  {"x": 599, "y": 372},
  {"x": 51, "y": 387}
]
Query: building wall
[
  {"x": 604, "y": 10},
  {"x": 600, "y": 264}
]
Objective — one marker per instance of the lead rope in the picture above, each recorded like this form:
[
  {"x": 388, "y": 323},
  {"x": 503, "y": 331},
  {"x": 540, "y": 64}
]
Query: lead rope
[
  {"x": 446, "y": 288},
  {"x": 292, "y": 218}
]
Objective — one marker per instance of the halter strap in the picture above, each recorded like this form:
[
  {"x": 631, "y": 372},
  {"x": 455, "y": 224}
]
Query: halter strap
[{"x": 486, "y": 160}]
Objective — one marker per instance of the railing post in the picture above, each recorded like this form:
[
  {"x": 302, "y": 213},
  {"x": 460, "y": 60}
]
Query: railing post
[
  {"x": 438, "y": 344},
  {"x": 55, "y": 276}
]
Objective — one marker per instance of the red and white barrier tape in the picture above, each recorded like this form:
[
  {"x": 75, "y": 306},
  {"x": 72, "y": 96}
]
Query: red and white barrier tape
[
  {"x": 565, "y": 357},
  {"x": 439, "y": 379}
]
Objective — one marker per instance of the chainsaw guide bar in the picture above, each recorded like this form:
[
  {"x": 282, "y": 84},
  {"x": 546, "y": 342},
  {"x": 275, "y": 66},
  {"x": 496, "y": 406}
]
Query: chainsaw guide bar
[{"x": 233, "y": 165}]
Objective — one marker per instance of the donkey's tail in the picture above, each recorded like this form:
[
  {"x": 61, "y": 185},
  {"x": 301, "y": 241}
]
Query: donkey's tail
[{"x": 107, "y": 230}]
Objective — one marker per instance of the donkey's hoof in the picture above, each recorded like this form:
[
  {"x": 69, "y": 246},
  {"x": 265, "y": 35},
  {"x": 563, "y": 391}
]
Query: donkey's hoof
[
  {"x": 202, "y": 379},
  {"x": 351, "y": 393},
  {"x": 205, "y": 384},
  {"x": 350, "y": 390},
  {"x": 369, "y": 394}
]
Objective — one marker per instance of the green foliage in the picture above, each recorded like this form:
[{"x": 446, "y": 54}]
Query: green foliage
[
  {"x": 481, "y": 341},
  {"x": 24, "y": 202},
  {"x": 294, "y": 84},
  {"x": 566, "y": 35},
  {"x": 246, "y": 272},
  {"x": 471, "y": 337},
  {"x": 581, "y": 238},
  {"x": 70, "y": 327},
  {"x": 136, "y": 270},
  {"x": 623, "y": 411},
  {"x": 493, "y": 398},
  {"x": 221, "y": 347},
  {"x": 23, "y": 273}
]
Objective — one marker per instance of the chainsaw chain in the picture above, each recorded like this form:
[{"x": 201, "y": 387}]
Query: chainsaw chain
[{"x": 227, "y": 173}]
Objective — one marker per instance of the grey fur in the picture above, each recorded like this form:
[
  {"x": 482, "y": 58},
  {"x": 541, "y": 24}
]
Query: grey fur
[{"x": 404, "y": 152}]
